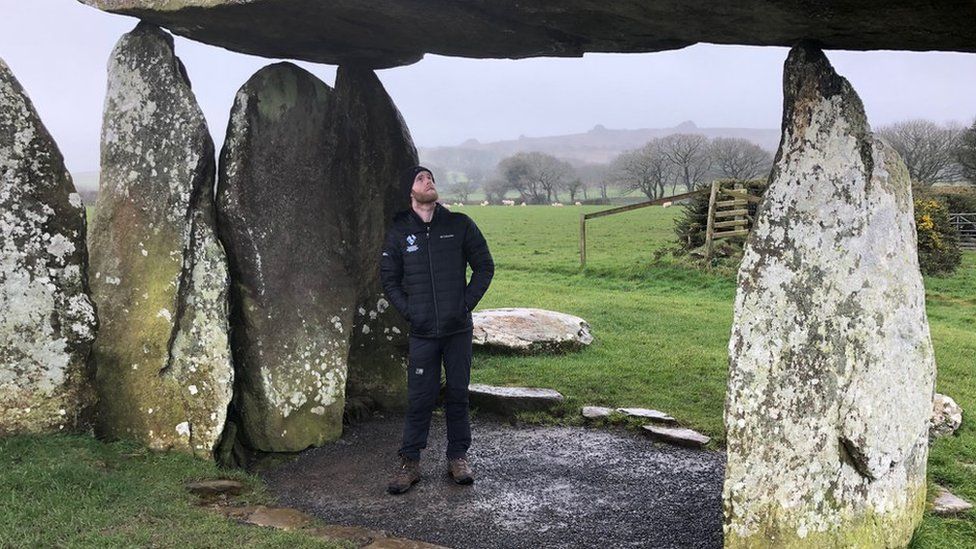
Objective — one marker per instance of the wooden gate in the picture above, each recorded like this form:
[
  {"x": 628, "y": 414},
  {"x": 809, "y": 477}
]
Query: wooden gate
[
  {"x": 965, "y": 224},
  {"x": 728, "y": 213}
]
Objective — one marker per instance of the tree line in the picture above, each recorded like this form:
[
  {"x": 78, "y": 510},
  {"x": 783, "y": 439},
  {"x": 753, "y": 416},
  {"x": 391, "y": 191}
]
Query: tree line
[{"x": 684, "y": 162}]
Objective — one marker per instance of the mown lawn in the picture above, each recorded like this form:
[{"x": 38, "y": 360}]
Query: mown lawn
[{"x": 661, "y": 330}]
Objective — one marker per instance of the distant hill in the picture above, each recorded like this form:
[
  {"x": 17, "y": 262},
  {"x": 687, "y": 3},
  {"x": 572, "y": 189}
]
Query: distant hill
[{"x": 599, "y": 145}]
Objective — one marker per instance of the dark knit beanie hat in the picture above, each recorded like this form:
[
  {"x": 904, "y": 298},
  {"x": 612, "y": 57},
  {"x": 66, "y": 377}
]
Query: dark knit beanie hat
[{"x": 406, "y": 180}]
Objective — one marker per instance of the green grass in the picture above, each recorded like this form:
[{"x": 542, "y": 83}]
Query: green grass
[
  {"x": 661, "y": 331},
  {"x": 74, "y": 491}
]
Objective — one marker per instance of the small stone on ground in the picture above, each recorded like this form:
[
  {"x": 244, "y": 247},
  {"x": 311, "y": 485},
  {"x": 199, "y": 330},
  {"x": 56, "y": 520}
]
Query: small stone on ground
[
  {"x": 596, "y": 412},
  {"x": 510, "y": 400},
  {"x": 645, "y": 413},
  {"x": 215, "y": 487},
  {"x": 677, "y": 435},
  {"x": 947, "y": 503}
]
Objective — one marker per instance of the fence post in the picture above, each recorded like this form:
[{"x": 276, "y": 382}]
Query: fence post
[
  {"x": 711, "y": 220},
  {"x": 582, "y": 240}
]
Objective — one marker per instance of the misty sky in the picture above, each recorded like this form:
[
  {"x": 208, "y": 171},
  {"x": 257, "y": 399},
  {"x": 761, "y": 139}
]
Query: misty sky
[{"x": 58, "y": 49}]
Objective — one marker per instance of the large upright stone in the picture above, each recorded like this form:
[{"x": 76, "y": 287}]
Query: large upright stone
[
  {"x": 164, "y": 372},
  {"x": 294, "y": 301},
  {"x": 374, "y": 147},
  {"x": 831, "y": 365},
  {"x": 47, "y": 322}
]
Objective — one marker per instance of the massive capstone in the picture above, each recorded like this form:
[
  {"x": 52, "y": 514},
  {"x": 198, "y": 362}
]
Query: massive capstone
[
  {"x": 308, "y": 185},
  {"x": 385, "y": 34},
  {"x": 47, "y": 321},
  {"x": 164, "y": 371},
  {"x": 831, "y": 364}
]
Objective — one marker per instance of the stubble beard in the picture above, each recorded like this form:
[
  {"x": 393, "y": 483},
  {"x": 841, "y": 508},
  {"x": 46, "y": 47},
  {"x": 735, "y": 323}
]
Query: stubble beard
[{"x": 427, "y": 197}]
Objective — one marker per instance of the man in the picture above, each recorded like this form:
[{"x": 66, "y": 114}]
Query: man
[{"x": 423, "y": 269}]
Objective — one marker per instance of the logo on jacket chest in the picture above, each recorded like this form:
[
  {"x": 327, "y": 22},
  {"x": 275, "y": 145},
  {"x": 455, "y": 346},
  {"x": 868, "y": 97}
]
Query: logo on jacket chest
[{"x": 412, "y": 243}]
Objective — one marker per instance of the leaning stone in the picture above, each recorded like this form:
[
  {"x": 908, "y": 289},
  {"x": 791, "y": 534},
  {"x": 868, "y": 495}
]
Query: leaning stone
[
  {"x": 209, "y": 488},
  {"x": 947, "y": 504},
  {"x": 530, "y": 330},
  {"x": 47, "y": 322},
  {"x": 164, "y": 372},
  {"x": 510, "y": 400},
  {"x": 831, "y": 369},
  {"x": 373, "y": 148},
  {"x": 281, "y": 221},
  {"x": 645, "y": 413},
  {"x": 596, "y": 412},
  {"x": 946, "y": 417},
  {"x": 677, "y": 435}
]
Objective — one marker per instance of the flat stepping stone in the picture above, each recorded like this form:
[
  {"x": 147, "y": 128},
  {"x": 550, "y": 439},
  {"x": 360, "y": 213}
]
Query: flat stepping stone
[
  {"x": 510, "y": 400},
  {"x": 596, "y": 412},
  {"x": 646, "y": 413},
  {"x": 529, "y": 331},
  {"x": 677, "y": 435},
  {"x": 215, "y": 487},
  {"x": 946, "y": 503}
]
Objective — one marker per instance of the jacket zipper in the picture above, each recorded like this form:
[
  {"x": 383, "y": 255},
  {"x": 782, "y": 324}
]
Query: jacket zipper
[{"x": 433, "y": 288}]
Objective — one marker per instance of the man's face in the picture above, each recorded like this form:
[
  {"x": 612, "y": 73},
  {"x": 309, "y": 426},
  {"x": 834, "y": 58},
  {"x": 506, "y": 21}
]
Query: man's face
[{"x": 423, "y": 190}]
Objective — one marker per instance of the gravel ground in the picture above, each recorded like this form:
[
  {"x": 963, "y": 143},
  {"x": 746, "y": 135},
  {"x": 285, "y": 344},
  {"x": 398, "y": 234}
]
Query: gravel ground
[{"x": 536, "y": 487}]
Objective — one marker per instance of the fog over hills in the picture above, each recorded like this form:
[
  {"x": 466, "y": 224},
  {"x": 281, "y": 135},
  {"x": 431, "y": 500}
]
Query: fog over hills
[{"x": 597, "y": 146}]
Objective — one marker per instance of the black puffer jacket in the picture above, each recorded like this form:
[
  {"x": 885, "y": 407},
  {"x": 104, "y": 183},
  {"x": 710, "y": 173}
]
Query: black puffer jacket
[{"x": 423, "y": 273}]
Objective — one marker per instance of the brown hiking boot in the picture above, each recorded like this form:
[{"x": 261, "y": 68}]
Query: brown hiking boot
[
  {"x": 406, "y": 476},
  {"x": 460, "y": 471}
]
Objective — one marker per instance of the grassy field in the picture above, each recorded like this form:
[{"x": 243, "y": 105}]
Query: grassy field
[{"x": 661, "y": 330}]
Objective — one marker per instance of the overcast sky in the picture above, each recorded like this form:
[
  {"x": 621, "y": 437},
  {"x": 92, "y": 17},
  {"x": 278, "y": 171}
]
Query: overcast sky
[{"x": 58, "y": 49}]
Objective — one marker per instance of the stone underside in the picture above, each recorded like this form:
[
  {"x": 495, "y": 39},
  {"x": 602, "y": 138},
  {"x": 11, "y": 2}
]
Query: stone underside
[
  {"x": 159, "y": 275},
  {"x": 307, "y": 188},
  {"x": 385, "y": 34},
  {"x": 831, "y": 364},
  {"x": 47, "y": 321}
]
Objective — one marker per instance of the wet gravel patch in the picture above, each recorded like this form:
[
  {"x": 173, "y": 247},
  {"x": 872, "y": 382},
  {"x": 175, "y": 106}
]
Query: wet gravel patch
[{"x": 537, "y": 487}]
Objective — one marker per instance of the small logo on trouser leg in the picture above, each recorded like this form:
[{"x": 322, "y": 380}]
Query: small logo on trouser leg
[{"x": 419, "y": 371}]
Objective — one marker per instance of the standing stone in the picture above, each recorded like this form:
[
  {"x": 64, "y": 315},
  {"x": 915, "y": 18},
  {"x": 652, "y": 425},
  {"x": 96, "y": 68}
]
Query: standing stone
[
  {"x": 160, "y": 280},
  {"x": 831, "y": 364},
  {"x": 374, "y": 147},
  {"x": 282, "y": 223},
  {"x": 47, "y": 322}
]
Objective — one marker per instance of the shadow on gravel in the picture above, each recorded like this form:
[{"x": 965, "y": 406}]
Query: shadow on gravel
[{"x": 535, "y": 487}]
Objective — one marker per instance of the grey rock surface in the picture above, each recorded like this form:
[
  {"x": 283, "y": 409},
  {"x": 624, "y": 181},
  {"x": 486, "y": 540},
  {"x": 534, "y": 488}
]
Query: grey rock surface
[
  {"x": 677, "y": 435},
  {"x": 831, "y": 364},
  {"x": 374, "y": 146},
  {"x": 596, "y": 412},
  {"x": 948, "y": 504},
  {"x": 646, "y": 413},
  {"x": 47, "y": 321},
  {"x": 538, "y": 487},
  {"x": 529, "y": 331},
  {"x": 946, "y": 417},
  {"x": 511, "y": 400},
  {"x": 159, "y": 275},
  {"x": 293, "y": 297},
  {"x": 384, "y": 34}
]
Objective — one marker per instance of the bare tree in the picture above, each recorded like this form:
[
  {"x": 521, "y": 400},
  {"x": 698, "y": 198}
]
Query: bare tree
[
  {"x": 595, "y": 176},
  {"x": 966, "y": 153},
  {"x": 537, "y": 176},
  {"x": 462, "y": 189},
  {"x": 575, "y": 186},
  {"x": 689, "y": 155},
  {"x": 737, "y": 158},
  {"x": 646, "y": 169},
  {"x": 928, "y": 149}
]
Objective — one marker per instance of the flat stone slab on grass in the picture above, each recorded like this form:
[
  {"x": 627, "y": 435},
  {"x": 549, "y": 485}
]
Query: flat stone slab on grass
[
  {"x": 596, "y": 412},
  {"x": 539, "y": 487},
  {"x": 645, "y": 413},
  {"x": 677, "y": 435},
  {"x": 947, "y": 503},
  {"x": 510, "y": 400},
  {"x": 529, "y": 331},
  {"x": 215, "y": 487}
]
